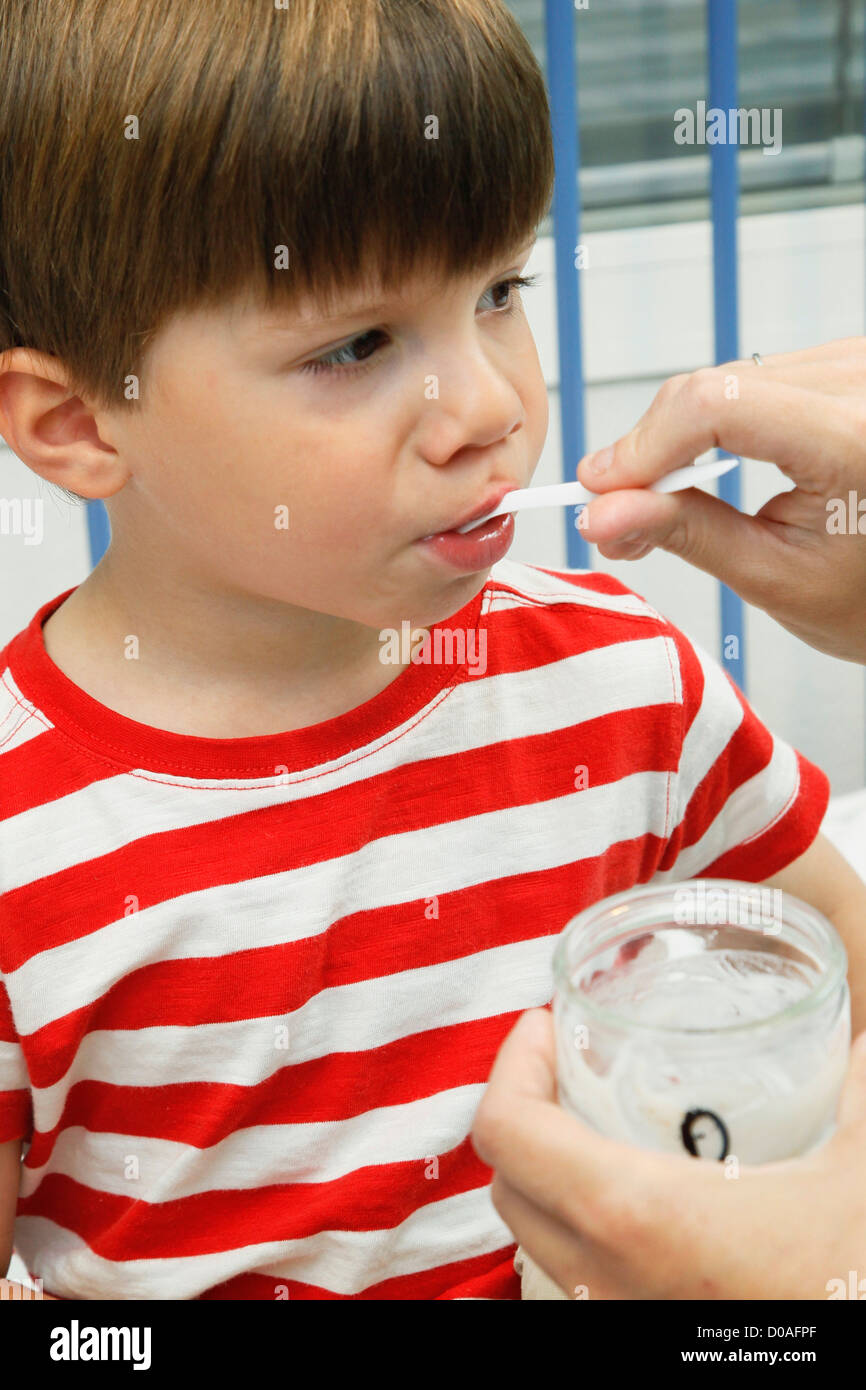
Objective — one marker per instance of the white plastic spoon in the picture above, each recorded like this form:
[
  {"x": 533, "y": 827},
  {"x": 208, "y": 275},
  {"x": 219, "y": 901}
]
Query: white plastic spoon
[{"x": 573, "y": 494}]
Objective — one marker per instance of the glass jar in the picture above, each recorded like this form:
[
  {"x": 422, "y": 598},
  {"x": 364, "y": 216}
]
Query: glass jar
[{"x": 708, "y": 1017}]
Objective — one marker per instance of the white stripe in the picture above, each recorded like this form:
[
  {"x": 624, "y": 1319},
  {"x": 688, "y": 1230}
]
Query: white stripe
[
  {"x": 13, "y": 1068},
  {"x": 20, "y": 721},
  {"x": 550, "y": 590},
  {"x": 262, "y": 1155},
  {"x": 504, "y": 600},
  {"x": 754, "y": 807},
  {"x": 301, "y": 903},
  {"x": 346, "y": 1018},
  {"x": 718, "y": 719},
  {"x": 116, "y": 811},
  {"x": 750, "y": 811},
  {"x": 461, "y": 1227}
]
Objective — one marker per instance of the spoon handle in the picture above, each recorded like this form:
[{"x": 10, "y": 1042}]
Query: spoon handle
[{"x": 574, "y": 494}]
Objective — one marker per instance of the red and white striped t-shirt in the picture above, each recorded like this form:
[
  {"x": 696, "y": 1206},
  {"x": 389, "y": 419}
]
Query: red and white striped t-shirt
[{"x": 251, "y": 989}]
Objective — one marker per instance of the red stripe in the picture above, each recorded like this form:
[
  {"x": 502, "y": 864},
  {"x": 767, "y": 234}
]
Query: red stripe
[
  {"x": 7, "y": 1023},
  {"x": 485, "y": 1276},
  {"x": 336, "y": 1087},
  {"x": 125, "y": 742},
  {"x": 378, "y": 1197},
  {"x": 49, "y": 767},
  {"x": 45, "y": 769},
  {"x": 749, "y": 752},
  {"x": 559, "y": 631},
  {"x": 273, "y": 839},
  {"x": 16, "y": 1108},
  {"x": 692, "y": 680},
  {"x": 260, "y": 983},
  {"x": 787, "y": 840},
  {"x": 16, "y": 1115}
]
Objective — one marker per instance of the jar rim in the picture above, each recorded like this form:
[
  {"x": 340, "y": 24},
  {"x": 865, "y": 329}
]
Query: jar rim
[{"x": 796, "y": 913}]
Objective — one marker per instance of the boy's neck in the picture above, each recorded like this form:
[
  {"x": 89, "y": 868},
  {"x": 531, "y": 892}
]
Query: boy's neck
[{"x": 214, "y": 665}]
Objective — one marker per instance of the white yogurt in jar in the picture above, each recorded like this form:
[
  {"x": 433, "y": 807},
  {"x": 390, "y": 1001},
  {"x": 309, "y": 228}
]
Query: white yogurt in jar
[
  {"x": 709, "y": 1087},
  {"x": 717, "y": 1041}
]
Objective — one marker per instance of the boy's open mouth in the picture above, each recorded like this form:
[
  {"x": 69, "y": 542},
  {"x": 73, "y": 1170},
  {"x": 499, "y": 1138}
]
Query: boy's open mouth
[
  {"x": 492, "y": 500},
  {"x": 479, "y": 548}
]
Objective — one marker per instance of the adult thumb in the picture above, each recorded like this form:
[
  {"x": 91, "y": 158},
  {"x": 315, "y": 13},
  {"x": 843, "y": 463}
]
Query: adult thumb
[{"x": 732, "y": 546}]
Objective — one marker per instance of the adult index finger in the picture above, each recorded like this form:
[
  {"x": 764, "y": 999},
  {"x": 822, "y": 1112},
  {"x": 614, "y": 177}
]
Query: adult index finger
[{"x": 812, "y": 439}]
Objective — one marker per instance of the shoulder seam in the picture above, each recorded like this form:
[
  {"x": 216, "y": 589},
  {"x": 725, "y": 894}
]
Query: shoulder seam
[
  {"x": 541, "y": 601},
  {"x": 30, "y": 710}
]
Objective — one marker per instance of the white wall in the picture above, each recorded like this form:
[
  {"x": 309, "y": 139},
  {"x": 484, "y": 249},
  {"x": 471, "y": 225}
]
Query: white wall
[
  {"x": 647, "y": 307},
  {"x": 647, "y": 311}
]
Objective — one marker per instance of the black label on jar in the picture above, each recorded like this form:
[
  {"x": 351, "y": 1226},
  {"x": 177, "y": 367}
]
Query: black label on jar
[{"x": 705, "y": 1125}]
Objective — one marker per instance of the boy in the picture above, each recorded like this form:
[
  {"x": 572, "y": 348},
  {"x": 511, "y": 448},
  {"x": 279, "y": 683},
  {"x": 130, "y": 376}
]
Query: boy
[{"x": 271, "y": 891}]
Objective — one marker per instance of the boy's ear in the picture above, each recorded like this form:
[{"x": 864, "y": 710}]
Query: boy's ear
[{"x": 52, "y": 430}]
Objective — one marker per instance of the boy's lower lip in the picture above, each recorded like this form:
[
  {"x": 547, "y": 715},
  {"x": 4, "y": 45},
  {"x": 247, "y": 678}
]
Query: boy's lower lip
[{"x": 474, "y": 550}]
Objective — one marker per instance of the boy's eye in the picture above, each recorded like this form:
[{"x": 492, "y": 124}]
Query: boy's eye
[
  {"x": 357, "y": 355},
  {"x": 342, "y": 358},
  {"x": 516, "y": 282}
]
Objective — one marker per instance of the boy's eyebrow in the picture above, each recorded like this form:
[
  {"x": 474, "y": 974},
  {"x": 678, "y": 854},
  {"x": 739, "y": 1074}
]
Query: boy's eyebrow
[
  {"x": 362, "y": 306},
  {"x": 310, "y": 323}
]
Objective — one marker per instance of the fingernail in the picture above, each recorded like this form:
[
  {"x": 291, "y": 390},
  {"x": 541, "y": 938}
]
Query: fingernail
[{"x": 600, "y": 462}]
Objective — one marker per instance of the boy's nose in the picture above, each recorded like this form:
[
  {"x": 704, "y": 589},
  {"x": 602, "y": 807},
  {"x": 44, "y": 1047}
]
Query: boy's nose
[{"x": 476, "y": 395}]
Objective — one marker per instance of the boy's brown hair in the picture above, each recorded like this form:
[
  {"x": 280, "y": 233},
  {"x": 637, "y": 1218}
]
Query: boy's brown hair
[{"x": 306, "y": 126}]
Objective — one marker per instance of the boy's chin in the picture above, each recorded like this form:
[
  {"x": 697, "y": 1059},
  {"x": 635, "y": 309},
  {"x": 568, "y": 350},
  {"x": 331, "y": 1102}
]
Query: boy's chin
[{"x": 449, "y": 600}]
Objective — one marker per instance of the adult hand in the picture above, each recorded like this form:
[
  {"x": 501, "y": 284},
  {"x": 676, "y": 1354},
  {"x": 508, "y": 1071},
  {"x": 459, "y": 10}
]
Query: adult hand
[
  {"x": 804, "y": 411},
  {"x": 627, "y": 1223}
]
